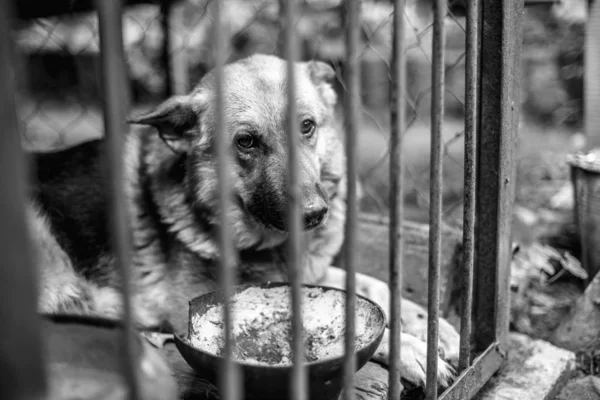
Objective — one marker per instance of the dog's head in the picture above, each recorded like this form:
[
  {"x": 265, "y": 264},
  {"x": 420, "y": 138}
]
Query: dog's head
[{"x": 255, "y": 113}]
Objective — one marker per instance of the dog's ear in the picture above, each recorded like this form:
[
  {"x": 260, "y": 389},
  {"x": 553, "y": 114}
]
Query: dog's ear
[
  {"x": 173, "y": 119},
  {"x": 322, "y": 74}
]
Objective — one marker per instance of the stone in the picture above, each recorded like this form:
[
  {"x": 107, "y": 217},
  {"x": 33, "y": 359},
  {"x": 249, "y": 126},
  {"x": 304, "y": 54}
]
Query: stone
[
  {"x": 579, "y": 330},
  {"x": 584, "y": 388},
  {"x": 534, "y": 370}
]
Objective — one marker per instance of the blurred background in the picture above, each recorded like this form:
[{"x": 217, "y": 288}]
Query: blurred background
[{"x": 61, "y": 95}]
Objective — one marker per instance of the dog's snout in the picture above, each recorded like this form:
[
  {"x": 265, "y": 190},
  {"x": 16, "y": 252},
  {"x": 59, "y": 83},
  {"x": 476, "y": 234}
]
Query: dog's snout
[{"x": 314, "y": 216}]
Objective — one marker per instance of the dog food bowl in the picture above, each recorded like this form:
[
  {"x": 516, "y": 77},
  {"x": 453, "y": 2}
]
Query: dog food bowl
[{"x": 261, "y": 323}]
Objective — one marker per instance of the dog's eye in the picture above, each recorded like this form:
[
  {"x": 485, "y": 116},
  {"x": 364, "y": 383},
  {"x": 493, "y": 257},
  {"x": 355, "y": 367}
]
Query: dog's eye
[
  {"x": 245, "y": 141},
  {"x": 307, "y": 127}
]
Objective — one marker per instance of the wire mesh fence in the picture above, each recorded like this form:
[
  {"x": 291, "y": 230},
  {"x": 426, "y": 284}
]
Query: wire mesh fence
[{"x": 61, "y": 100}]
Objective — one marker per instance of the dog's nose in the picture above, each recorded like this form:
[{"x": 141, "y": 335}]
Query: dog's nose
[{"x": 314, "y": 216}]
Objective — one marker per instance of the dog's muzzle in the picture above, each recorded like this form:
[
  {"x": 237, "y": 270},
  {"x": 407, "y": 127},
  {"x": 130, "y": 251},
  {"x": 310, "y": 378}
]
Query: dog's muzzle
[{"x": 314, "y": 216}]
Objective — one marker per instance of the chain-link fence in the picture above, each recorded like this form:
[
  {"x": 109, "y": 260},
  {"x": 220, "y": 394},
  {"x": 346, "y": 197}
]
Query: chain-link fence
[{"x": 61, "y": 98}]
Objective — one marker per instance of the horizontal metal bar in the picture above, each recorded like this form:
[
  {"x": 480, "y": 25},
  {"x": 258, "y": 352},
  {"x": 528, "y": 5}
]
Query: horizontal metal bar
[
  {"x": 472, "y": 379},
  {"x": 435, "y": 197},
  {"x": 396, "y": 236},
  {"x": 22, "y": 371},
  {"x": 115, "y": 106}
]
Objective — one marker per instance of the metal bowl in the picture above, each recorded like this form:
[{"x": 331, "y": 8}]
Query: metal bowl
[{"x": 273, "y": 381}]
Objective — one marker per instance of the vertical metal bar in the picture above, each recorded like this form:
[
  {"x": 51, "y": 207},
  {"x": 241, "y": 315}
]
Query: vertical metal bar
[
  {"x": 229, "y": 385},
  {"x": 471, "y": 116},
  {"x": 591, "y": 78},
  {"x": 282, "y": 36},
  {"x": 22, "y": 371},
  {"x": 499, "y": 113},
  {"x": 180, "y": 77},
  {"x": 295, "y": 227},
  {"x": 116, "y": 104},
  {"x": 165, "y": 11},
  {"x": 352, "y": 115},
  {"x": 435, "y": 205},
  {"x": 396, "y": 238}
]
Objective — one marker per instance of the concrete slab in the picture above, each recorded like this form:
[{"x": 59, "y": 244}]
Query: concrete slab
[{"x": 535, "y": 370}]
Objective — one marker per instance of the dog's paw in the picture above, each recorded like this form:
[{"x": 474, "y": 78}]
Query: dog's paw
[
  {"x": 413, "y": 360},
  {"x": 414, "y": 322},
  {"x": 414, "y": 317}
]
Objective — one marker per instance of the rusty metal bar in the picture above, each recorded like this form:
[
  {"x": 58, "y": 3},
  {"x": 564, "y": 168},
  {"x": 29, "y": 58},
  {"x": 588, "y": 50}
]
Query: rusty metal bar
[
  {"x": 435, "y": 197},
  {"x": 500, "y": 70},
  {"x": 282, "y": 37},
  {"x": 180, "y": 73},
  {"x": 471, "y": 380},
  {"x": 22, "y": 370},
  {"x": 470, "y": 165},
  {"x": 229, "y": 378},
  {"x": 352, "y": 115},
  {"x": 298, "y": 388},
  {"x": 165, "y": 22},
  {"x": 116, "y": 103},
  {"x": 591, "y": 79},
  {"x": 396, "y": 238}
]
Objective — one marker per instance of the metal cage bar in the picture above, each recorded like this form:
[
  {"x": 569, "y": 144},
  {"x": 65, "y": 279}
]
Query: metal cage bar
[
  {"x": 500, "y": 51},
  {"x": 470, "y": 176},
  {"x": 592, "y": 82},
  {"x": 22, "y": 372},
  {"x": 396, "y": 237},
  {"x": 298, "y": 386},
  {"x": 435, "y": 197},
  {"x": 115, "y": 106},
  {"x": 229, "y": 381},
  {"x": 166, "y": 6},
  {"x": 497, "y": 122},
  {"x": 352, "y": 115}
]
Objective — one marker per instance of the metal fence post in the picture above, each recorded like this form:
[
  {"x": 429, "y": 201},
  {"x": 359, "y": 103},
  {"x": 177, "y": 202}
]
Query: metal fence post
[
  {"x": 591, "y": 76},
  {"x": 115, "y": 105},
  {"x": 352, "y": 112},
  {"x": 471, "y": 128},
  {"x": 500, "y": 61},
  {"x": 396, "y": 238},
  {"x": 22, "y": 371}
]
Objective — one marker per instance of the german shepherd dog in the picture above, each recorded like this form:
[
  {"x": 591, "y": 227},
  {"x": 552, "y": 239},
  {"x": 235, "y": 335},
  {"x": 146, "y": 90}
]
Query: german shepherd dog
[{"x": 171, "y": 189}]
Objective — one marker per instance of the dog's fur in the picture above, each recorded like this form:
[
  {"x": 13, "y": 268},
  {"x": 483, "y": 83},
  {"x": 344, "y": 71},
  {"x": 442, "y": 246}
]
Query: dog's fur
[{"x": 173, "y": 206}]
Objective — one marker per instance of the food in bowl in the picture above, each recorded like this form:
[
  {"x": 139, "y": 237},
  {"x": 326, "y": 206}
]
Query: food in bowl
[{"x": 262, "y": 330}]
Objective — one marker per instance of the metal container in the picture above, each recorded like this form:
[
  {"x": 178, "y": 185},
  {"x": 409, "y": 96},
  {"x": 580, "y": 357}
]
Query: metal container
[
  {"x": 585, "y": 175},
  {"x": 273, "y": 382}
]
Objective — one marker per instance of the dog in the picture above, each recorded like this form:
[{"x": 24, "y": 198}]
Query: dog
[{"x": 170, "y": 185}]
